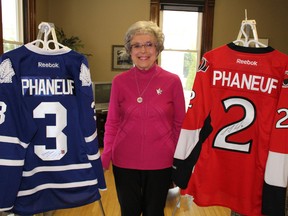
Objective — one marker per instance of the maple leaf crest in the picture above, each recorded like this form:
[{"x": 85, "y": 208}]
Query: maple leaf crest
[
  {"x": 85, "y": 75},
  {"x": 6, "y": 71}
]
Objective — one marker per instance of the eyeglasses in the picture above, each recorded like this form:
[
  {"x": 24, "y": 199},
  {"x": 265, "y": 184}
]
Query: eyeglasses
[{"x": 147, "y": 45}]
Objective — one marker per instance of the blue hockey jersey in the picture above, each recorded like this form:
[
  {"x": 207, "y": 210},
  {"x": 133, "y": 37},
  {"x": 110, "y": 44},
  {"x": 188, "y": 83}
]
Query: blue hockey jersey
[
  {"x": 62, "y": 167},
  {"x": 16, "y": 131}
]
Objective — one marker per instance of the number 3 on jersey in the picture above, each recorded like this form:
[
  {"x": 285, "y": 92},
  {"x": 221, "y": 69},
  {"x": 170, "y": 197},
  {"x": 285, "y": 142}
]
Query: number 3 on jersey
[
  {"x": 3, "y": 108},
  {"x": 55, "y": 131}
]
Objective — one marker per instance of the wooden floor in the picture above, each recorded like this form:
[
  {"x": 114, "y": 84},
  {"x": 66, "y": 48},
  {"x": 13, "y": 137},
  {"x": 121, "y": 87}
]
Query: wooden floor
[{"x": 111, "y": 206}]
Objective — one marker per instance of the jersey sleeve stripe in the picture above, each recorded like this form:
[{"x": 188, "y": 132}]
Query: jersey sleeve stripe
[
  {"x": 54, "y": 185},
  {"x": 4, "y": 162},
  {"x": 56, "y": 168},
  {"x": 94, "y": 157},
  {"x": 276, "y": 164},
  {"x": 14, "y": 140},
  {"x": 187, "y": 139},
  {"x": 5, "y": 209},
  {"x": 91, "y": 138}
]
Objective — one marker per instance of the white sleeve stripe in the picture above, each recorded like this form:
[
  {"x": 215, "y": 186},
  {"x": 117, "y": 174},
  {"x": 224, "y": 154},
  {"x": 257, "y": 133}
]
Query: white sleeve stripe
[
  {"x": 56, "y": 168},
  {"x": 5, "y": 209},
  {"x": 5, "y": 162},
  {"x": 57, "y": 185},
  {"x": 92, "y": 137},
  {"x": 276, "y": 173},
  {"x": 94, "y": 157},
  {"x": 186, "y": 143},
  {"x": 14, "y": 140}
]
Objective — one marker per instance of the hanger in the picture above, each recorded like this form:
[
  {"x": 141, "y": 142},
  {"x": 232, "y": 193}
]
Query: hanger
[
  {"x": 43, "y": 42},
  {"x": 243, "y": 37}
]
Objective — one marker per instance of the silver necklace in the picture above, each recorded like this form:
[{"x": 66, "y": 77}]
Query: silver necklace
[{"x": 140, "y": 98}]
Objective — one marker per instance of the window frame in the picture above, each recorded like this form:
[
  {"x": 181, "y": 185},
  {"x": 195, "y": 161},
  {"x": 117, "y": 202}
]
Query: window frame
[
  {"x": 1, "y": 31},
  {"x": 29, "y": 19},
  {"x": 29, "y": 22},
  {"x": 207, "y": 22}
]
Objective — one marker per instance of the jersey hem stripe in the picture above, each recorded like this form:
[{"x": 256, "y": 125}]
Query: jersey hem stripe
[{"x": 57, "y": 186}]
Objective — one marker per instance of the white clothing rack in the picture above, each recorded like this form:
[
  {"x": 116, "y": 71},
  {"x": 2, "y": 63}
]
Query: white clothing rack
[
  {"x": 43, "y": 41},
  {"x": 243, "y": 37},
  {"x": 101, "y": 207}
]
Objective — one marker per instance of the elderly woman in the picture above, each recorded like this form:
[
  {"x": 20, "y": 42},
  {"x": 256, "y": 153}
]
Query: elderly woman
[{"x": 143, "y": 124}]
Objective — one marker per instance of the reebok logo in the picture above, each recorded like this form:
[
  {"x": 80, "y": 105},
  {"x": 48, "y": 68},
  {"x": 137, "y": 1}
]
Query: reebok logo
[
  {"x": 246, "y": 62},
  {"x": 48, "y": 65}
]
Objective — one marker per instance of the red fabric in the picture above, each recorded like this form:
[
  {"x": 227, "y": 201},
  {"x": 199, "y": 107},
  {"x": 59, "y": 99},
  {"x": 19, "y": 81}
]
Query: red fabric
[{"x": 239, "y": 89}]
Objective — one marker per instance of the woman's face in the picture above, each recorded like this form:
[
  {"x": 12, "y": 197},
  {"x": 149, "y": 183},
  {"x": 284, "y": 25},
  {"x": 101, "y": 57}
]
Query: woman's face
[{"x": 143, "y": 51}]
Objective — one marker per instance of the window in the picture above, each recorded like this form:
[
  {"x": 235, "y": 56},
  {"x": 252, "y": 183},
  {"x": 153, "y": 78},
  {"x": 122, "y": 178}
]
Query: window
[
  {"x": 182, "y": 46},
  {"x": 12, "y": 23},
  {"x": 17, "y": 23},
  {"x": 188, "y": 29}
]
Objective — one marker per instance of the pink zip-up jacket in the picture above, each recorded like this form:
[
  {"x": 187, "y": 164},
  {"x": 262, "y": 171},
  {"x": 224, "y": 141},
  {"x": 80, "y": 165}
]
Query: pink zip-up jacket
[{"x": 143, "y": 135}]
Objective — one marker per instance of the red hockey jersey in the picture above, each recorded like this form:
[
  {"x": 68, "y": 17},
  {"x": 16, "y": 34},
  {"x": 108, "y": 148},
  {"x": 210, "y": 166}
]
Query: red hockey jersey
[
  {"x": 276, "y": 172},
  {"x": 226, "y": 132}
]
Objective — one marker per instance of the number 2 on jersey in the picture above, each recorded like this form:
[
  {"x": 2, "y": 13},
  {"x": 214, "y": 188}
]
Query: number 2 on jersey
[{"x": 220, "y": 140}]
